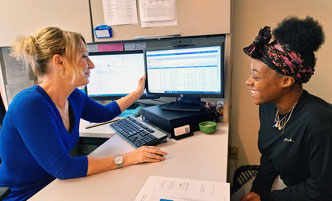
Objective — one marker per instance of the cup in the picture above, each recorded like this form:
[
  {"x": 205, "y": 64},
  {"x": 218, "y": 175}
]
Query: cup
[{"x": 207, "y": 127}]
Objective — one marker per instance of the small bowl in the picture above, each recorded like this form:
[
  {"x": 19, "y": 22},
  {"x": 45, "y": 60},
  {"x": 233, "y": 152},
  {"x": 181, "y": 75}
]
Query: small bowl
[{"x": 207, "y": 127}]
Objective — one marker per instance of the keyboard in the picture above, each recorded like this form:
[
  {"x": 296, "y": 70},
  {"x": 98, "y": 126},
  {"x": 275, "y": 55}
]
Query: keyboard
[{"x": 137, "y": 132}]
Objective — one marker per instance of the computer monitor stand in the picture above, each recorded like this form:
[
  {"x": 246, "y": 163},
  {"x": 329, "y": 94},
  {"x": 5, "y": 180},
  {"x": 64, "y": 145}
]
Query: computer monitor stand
[{"x": 185, "y": 104}]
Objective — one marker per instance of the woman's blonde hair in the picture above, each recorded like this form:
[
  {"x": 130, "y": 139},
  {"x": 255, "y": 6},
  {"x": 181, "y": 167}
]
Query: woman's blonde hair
[{"x": 39, "y": 49}]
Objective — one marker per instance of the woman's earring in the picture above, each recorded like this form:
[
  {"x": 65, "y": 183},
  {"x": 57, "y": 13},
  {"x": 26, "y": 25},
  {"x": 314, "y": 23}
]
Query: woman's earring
[{"x": 63, "y": 73}]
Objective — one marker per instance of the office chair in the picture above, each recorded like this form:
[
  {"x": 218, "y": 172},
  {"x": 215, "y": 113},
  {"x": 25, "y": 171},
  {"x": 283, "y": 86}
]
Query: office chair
[{"x": 242, "y": 175}]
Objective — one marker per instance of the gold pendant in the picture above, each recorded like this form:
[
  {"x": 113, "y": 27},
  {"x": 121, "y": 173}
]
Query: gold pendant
[{"x": 277, "y": 125}]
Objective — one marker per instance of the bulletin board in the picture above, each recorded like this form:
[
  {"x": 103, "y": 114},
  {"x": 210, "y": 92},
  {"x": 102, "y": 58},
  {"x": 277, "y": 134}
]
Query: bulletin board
[{"x": 194, "y": 17}]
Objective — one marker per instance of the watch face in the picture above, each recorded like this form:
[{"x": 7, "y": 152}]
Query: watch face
[{"x": 118, "y": 160}]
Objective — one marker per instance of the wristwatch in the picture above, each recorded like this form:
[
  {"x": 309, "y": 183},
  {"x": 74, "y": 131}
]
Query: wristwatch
[{"x": 118, "y": 160}]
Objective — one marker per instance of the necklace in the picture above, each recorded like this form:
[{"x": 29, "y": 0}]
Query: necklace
[{"x": 281, "y": 123}]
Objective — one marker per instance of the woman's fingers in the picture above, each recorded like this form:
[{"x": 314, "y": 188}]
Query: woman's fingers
[
  {"x": 143, "y": 78},
  {"x": 151, "y": 157},
  {"x": 154, "y": 150},
  {"x": 150, "y": 154},
  {"x": 153, "y": 154},
  {"x": 156, "y": 156},
  {"x": 141, "y": 81}
]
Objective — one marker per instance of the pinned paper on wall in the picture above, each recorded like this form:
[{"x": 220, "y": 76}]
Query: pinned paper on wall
[
  {"x": 156, "y": 13},
  {"x": 15, "y": 76},
  {"x": 16, "y": 71},
  {"x": 117, "y": 12},
  {"x": 159, "y": 23}
]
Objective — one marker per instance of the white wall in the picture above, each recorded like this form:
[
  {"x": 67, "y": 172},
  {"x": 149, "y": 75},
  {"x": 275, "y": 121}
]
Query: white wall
[{"x": 20, "y": 17}]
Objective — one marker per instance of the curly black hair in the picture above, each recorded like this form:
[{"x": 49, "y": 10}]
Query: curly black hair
[{"x": 302, "y": 35}]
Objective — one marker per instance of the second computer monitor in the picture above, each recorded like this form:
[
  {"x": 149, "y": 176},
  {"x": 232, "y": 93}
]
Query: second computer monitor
[
  {"x": 116, "y": 74},
  {"x": 185, "y": 72}
]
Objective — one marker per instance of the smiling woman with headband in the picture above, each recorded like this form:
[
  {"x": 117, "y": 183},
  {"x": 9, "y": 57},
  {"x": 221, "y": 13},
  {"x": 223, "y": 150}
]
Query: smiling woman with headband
[{"x": 295, "y": 135}]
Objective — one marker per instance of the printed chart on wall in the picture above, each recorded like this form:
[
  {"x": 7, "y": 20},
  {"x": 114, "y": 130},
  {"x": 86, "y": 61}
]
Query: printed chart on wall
[
  {"x": 153, "y": 13},
  {"x": 119, "y": 12},
  {"x": 158, "y": 13},
  {"x": 17, "y": 75}
]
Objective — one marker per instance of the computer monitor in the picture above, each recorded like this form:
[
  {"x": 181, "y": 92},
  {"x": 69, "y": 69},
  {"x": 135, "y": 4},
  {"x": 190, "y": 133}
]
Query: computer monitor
[
  {"x": 115, "y": 75},
  {"x": 189, "y": 73}
]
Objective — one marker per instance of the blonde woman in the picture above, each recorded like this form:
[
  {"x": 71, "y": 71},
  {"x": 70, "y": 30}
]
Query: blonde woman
[{"x": 42, "y": 122}]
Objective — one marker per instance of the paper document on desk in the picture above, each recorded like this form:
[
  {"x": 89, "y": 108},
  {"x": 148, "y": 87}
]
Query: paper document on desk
[{"x": 177, "y": 189}]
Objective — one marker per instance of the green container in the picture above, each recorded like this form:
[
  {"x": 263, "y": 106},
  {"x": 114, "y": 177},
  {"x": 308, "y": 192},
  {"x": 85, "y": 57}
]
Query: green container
[{"x": 207, "y": 127}]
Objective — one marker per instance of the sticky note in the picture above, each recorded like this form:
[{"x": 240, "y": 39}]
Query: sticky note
[{"x": 110, "y": 47}]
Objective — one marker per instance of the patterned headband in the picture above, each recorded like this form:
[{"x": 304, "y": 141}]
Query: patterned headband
[{"x": 279, "y": 57}]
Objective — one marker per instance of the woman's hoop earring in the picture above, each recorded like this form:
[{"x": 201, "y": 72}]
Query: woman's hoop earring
[{"x": 63, "y": 73}]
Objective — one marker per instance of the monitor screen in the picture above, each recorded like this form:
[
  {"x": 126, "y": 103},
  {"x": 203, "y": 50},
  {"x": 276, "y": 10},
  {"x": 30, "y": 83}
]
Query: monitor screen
[
  {"x": 115, "y": 75},
  {"x": 185, "y": 72}
]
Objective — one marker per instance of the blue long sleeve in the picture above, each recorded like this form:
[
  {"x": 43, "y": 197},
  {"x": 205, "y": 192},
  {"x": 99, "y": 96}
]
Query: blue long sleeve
[
  {"x": 41, "y": 133},
  {"x": 96, "y": 112},
  {"x": 35, "y": 145}
]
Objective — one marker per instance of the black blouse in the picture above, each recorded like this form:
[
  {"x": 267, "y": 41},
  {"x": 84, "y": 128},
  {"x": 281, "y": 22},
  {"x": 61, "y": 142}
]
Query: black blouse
[{"x": 301, "y": 153}]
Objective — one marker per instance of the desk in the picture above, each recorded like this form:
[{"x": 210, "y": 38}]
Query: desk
[{"x": 197, "y": 157}]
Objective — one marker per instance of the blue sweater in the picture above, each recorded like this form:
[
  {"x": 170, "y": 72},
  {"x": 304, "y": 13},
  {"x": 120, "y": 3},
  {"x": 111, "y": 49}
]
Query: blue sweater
[{"x": 35, "y": 145}]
